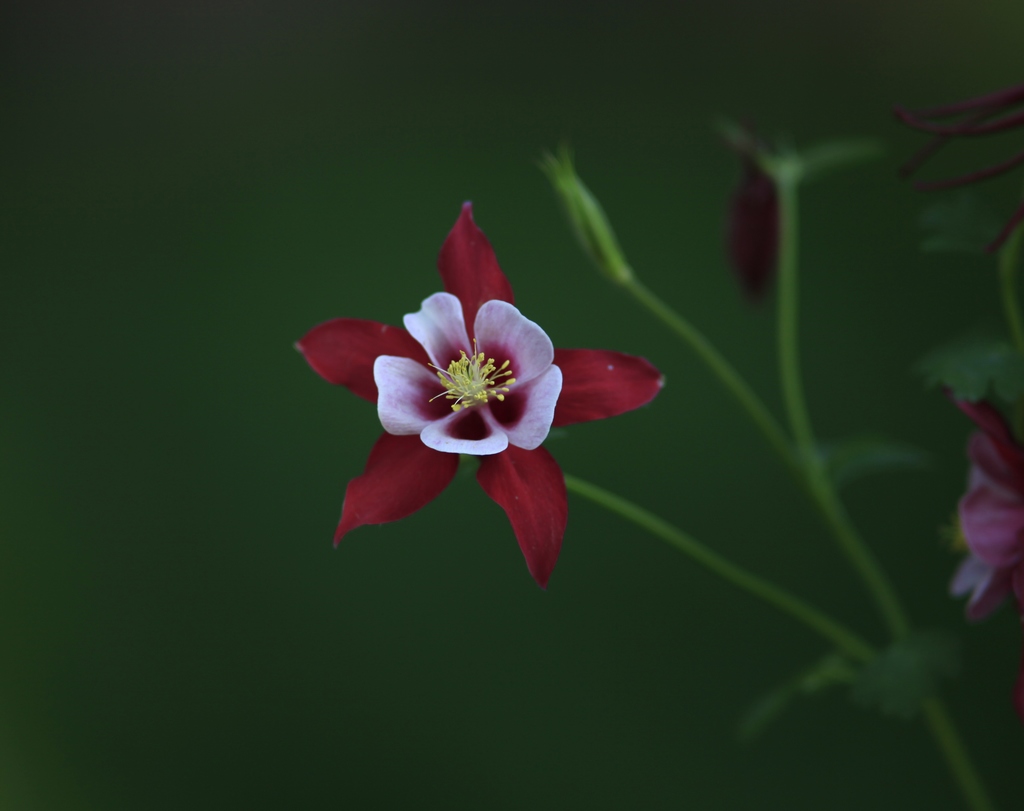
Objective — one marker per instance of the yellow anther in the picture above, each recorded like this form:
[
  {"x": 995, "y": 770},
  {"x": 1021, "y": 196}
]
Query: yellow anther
[{"x": 472, "y": 380}]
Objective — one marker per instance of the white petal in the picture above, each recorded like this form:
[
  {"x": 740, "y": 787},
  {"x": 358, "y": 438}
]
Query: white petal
[
  {"x": 971, "y": 573},
  {"x": 439, "y": 435},
  {"x": 404, "y": 389},
  {"x": 504, "y": 333},
  {"x": 540, "y": 394},
  {"x": 440, "y": 328}
]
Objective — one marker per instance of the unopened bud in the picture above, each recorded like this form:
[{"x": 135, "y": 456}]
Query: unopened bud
[
  {"x": 586, "y": 217},
  {"x": 752, "y": 231},
  {"x": 752, "y": 225}
]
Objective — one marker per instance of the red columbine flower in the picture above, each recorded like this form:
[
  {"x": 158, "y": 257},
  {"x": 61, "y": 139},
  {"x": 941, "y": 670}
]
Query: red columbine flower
[
  {"x": 473, "y": 376},
  {"x": 982, "y": 115},
  {"x": 992, "y": 521}
]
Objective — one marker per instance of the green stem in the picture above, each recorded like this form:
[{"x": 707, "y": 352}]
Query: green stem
[
  {"x": 1008, "y": 279},
  {"x": 959, "y": 761},
  {"x": 821, "y": 496},
  {"x": 844, "y": 639},
  {"x": 823, "y": 491},
  {"x": 787, "y": 177},
  {"x": 723, "y": 370},
  {"x": 1011, "y": 307},
  {"x": 789, "y": 297},
  {"x": 806, "y": 468}
]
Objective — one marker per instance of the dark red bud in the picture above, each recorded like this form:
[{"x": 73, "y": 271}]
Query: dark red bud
[{"x": 752, "y": 231}]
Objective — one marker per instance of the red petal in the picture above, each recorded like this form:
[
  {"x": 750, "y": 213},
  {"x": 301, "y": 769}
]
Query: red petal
[
  {"x": 1000, "y": 98},
  {"x": 342, "y": 351},
  {"x": 1008, "y": 229},
  {"x": 987, "y": 418},
  {"x": 401, "y": 476},
  {"x": 599, "y": 383},
  {"x": 470, "y": 269},
  {"x": 529, "y": 487}
]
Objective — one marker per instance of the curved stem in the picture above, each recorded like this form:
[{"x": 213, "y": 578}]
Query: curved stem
[
  {"x": 807, "y": 470},
  {"x": 823, "y": 490},
  {"x": 844, "y": 639},
  {"x": 787, "y": 177},
  {"x": 723, "y": 370},
  {"x": 945, "y": 734},
  {"x": 800, "y": 467},
  {"x": 789, "y": 293}
]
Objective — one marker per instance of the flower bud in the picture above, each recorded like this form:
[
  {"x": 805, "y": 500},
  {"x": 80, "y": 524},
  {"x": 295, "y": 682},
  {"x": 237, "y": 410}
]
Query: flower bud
[
  {"x": 752, "y": 230},
  {"x": 586, "y": 217}
]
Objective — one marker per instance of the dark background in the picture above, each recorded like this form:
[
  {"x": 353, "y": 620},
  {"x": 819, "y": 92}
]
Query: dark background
[{"x": 186, "y": 188}]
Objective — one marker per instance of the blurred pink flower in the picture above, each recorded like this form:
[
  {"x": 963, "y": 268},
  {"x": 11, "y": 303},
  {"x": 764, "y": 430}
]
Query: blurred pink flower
[{"x": 992, "y": 521}]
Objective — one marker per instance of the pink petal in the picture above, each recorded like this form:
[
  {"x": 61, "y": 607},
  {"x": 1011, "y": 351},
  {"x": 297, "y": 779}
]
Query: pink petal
[
  {"x": 992, "y": 526},
  {"x": 342, "y": 351},
  {"x": 469, "y": 268},
  {"x": 598, "y": 383},
  {"x": 988, "y": 586},
  {"x": 529, "y": 487},
  {"x": 503, "y": 333},
  {"x": 406, "y": 389},
  {"x": 401, "y": 476},
  {"x": 467, "y": 431},
  {"x": 987, "y": 418},
  {"x": 526, "y": 413},
  {"x": 439, "y": 327}
]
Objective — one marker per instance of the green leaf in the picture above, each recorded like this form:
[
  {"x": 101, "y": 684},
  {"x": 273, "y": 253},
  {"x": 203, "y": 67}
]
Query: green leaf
[
  {"x": 958, "y": 223},
  {"x": 904, "y": 675},
  {"x": 828, "y": 157},
  {"x": 827, "y": 672},
  {"x": 970, "y": 367},
  {"x": 851, "y": 459}
]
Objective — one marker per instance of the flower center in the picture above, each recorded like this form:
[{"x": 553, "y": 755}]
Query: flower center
[
  {"x": 953, "y": 534},
  {"x": 472, "y": 380}
]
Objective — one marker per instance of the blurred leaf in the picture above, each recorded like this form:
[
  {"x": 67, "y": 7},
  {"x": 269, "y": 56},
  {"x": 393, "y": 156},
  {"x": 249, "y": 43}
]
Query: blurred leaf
[
  {"x": 828, "y": 672},
  {"x": 971, "y": 366},
  {"x": 959, "y": 223},
  {"x": 907, "y": 673},
  {"x": 824, "y": 158},
  {"x": 850, "y": 459}
]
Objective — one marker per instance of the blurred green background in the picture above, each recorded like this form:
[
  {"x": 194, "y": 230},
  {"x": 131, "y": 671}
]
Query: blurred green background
[{"x": 187, "y": 187}]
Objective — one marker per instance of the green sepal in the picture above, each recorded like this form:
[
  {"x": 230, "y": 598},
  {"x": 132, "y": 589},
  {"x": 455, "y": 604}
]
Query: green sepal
[
  {"x": 900, "y": 678},
  {"x": 468, "y": 465},
  {"x": 586, "y": 217},
  {"x": 959, "y": 223},
  {"x": 822, "y": 159},
  {"x": 850, "y": 459},
  {"x": 972, "y": 366},
  {"x": 828, "y": 672}
]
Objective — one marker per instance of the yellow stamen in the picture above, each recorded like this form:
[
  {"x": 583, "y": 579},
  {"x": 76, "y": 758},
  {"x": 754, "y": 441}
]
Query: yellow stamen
[
  {"x": 472, "y": 379},
  {"x": 953, "y": 535}
]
